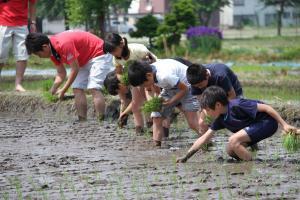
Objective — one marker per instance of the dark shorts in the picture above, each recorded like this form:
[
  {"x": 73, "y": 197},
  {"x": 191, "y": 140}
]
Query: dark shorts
[{"x": 261, "y": 130}]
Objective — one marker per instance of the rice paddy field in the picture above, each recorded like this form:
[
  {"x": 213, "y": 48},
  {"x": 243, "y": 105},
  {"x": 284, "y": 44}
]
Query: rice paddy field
[{"x": 44, "y": 154}]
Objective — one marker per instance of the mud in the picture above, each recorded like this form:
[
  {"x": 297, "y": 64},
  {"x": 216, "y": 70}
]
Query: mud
[{"x": 55, "y": 158}]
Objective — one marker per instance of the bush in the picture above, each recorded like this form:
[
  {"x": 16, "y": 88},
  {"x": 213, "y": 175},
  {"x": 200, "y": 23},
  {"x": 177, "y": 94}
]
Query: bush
[{"x": 204, "y": 39}]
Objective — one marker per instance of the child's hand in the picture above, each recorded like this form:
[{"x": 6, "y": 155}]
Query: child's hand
[
  {"x": 181, "y": 159},
  {"x": 288, "y": 128},
  {"x": 60, "y": 93},
  {"x": 167, "y": 103},
  {"x": 122, "y": 121}
]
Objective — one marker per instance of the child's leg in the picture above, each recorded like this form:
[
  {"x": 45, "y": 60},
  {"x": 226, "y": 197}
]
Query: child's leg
[
  {"x": 157, "y": 130},
  {"x": 137, "y": 101},
  {"x": 99, "y": 103},
  {"x": 80, "y": 103},
  {"x": 237, "y": 145},
  {"x": 192, "y": 119},
  {"x": 124, "y": 101}
]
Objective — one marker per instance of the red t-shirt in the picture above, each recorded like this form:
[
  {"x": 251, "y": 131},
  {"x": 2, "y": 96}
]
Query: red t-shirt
[
  {"x": 72, "y": 45},
  {"x": 14, "y": 12}
]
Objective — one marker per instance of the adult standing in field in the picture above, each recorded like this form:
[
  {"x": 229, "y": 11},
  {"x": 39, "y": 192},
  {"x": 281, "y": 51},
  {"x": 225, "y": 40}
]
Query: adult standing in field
[
  {"x": 13, "y": 29},
  {"x": 83, "y": 52}
]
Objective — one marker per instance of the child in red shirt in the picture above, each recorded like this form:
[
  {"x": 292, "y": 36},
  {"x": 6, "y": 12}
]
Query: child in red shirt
[{"x": 83, "y": 52}]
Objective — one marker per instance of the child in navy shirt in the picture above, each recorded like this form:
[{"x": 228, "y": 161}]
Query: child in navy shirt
[
  {"x": 250, "y": 120},
  {"x": 217, "y": 74}
]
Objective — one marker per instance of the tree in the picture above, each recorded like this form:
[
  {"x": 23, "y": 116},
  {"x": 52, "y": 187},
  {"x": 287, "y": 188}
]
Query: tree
[
  {"x": 280, "y": 4},
  {"x": 205, "y": 9},
  {"x": 52, "y": 10},
  {"x": 146, "y": 27},
  {"x": 92, "y": 13},
  {"x": 181, "y": 17}
]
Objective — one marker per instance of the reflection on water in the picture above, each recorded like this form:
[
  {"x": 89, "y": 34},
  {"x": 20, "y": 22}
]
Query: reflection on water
[{"x": 29, "y": 71}]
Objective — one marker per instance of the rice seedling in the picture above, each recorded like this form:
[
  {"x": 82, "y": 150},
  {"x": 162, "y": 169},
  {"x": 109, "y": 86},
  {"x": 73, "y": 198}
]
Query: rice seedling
[
  {"x": 47, "y": 84},
  {"x": 17, "y": 183},
  {"x": 152, "y": 105},
  {"x": 49, "y": 97},
  {"x": 124, "y": 77},
  {"x": 208, "y": 119},
  {"x": 5, "y": 196},
  {"x": 291, "y": 142}
]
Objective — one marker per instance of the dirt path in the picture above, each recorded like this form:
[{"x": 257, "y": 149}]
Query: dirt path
[{"x": 47, "y": 158}]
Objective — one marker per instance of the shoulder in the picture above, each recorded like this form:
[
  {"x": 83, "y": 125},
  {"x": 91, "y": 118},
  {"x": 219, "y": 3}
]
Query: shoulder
[{"x": 137, "y": 47}]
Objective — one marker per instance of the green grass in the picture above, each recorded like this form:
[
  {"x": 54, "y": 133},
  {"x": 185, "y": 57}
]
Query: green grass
[
  {"x": 259, "y": 68},
  {"x": 33, "y": 62},
  {"x": 30, "y": 85},
  {"x": 269, "y": 93}
]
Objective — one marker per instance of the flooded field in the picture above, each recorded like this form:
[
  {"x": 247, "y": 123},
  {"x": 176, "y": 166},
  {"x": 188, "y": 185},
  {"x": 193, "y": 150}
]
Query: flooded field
[{"x": 51, "y": 158}]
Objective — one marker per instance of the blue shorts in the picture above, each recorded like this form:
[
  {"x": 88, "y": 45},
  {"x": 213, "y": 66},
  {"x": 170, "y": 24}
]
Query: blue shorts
[{"x": 262, "y": 129}]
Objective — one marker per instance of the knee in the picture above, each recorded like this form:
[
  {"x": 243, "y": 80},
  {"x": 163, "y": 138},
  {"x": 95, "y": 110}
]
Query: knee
[
  {"x": 193, "y": 125},
  {"x": 158, "y": 121},
  {"x": 233, "y": 142},
  {"x": 78, "y": 91},
  {"x": 229, "y": 150}
]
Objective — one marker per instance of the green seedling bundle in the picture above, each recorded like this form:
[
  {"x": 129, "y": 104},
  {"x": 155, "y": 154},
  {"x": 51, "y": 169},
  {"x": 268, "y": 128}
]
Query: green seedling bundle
[
  {"x": 153, "y": 105},
  {"x": 291, "y": 142}
]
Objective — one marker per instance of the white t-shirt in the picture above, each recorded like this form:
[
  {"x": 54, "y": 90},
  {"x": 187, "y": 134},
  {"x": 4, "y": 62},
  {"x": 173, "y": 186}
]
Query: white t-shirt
[
  {"x": 137, "y": 52},
  {"x": 169, "y": 73}
]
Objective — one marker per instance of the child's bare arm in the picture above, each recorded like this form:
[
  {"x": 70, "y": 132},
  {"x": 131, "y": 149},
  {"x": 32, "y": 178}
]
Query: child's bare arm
[
  {"x": 273, "y": 113},
  {"x": 205, "y": 138},
  {"x": 119, "y": 69}
]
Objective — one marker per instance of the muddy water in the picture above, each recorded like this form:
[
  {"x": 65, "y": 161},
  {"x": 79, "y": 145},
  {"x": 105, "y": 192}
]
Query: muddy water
[{"x": 47, "y": 158}]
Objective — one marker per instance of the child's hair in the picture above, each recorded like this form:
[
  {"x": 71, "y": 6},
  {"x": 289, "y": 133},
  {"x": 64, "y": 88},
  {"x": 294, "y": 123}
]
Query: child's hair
[
  {"x": 196, "y": 73},
  {"x": 211, "y": 96},
  {"x": 112, "y": 41},
  {"x": 34, "y": 42},
  {"x": 111, "y": 83},
  {"x": 137, "y": 72}
]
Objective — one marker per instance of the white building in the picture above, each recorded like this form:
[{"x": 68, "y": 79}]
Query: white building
[{"x": 254, "y": 12}]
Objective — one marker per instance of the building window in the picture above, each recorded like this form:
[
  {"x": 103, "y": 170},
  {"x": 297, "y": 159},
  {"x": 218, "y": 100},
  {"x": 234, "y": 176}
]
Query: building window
[
  {"x": 296, "y": 15},
  {"x": 238, "y": 2},
  {"x": 286, "y": 15}
]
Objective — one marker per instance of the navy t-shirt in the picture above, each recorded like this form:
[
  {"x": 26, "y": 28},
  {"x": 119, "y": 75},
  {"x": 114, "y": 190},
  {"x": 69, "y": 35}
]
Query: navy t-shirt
[
  {"x": 221, "y": 76},
  {"x": 240, "y": 114}
]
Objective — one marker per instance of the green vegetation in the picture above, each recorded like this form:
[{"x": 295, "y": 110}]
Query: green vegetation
[
  {"x": 153, "y": 105},
  {"x": 47, "y": 84},
  {"x": 291, "y": 142},
  {"x": 271, "y": 93},
  {"x": 124, "y": 76},
  {"x": 49, "y": 97},
  {"x": 208, "y": 119}
]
